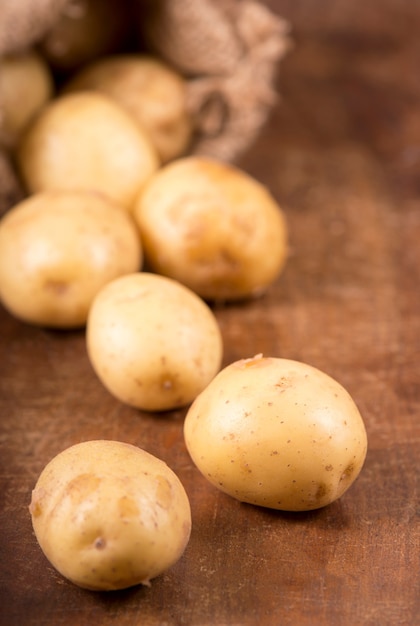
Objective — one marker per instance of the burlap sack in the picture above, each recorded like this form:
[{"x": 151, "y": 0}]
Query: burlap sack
[{"x": 228, "y": 50}]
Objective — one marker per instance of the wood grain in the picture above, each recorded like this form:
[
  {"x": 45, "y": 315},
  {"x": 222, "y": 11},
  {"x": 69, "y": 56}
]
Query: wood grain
[{"x": 341, "y": 154}]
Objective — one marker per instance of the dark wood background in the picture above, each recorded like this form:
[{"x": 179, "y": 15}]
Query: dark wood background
[{"x": 341, "y": 154}]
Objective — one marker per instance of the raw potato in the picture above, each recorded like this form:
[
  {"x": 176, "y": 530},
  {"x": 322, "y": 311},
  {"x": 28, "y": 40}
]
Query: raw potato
[
  {"x": 153, "y": 343},
  {"x": 58, "y": 249},
  {"x": 211, "y": 227},
  {"x": 277, "y": 433},
  {"x": 85, "y": 30},
  {"x": 109, "y": 515},
  {"x": 148, "y": 89},
  {"x": 86, "y": 141},
  {"x": 25, "y": 87}
]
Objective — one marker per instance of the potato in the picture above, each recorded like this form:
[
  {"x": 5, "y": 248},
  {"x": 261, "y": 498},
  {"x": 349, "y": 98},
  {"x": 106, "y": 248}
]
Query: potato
[
  {"x": 57, "y": 249},
  {"x": 109, "y": 515},
  {"x": 85, "y": 30},
  {"x": 25, "y": 87},
  {"x": 211, "y": 227},
  {"x": 86, "y": 141},
  {"x": 276, "y": 433},
  {"x": 153, "y": 343},
  {"x": 152, "y": 92}
]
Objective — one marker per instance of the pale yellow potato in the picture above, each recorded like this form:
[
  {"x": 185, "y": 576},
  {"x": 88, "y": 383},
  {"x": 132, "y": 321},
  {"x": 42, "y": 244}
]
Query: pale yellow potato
[
  {"x": 86, "y": 141},
  {"x": 212, "y": 227},
  {"x": 109, "y": 515},
  {"x": 26, "y": 85},
  {"x": 153, "y": 343},
  {"x": 58, "y": 249},
  {"x": 147, "y": 88},
  {"x": 277, "y": 433}
]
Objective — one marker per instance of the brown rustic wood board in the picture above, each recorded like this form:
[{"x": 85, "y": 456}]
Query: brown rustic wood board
[{"x": 341, "y": 154}]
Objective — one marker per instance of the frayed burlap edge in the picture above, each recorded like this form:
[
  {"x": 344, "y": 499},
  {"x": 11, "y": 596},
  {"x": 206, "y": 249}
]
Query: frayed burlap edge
[
  {"x": 229, "y": 50},
  {"x": 23, "y": 23}
]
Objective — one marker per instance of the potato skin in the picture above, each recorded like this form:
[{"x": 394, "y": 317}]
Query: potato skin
[
  {"x": 276, "y": 433},
  {"x": 212, "y": 227},
  {"x": 58, "y": 249},
  {"x": 109, "y": 515},
  {"x": 86, "y": 141},
  {"x": 153, "y": 343}
]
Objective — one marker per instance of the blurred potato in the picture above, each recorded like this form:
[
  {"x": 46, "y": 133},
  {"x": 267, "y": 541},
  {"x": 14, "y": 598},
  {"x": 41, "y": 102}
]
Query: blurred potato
[
  {"x": 86, "y": 141},
  {"x": 57, "y": 250},
  {"x": 212, "y": 227},
  {"x": 26, "y": 85},
  {"x": 150, "y": 91}
]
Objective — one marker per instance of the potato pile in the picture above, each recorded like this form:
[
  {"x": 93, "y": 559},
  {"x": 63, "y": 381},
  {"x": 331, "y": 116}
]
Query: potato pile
[
  {"x": 110, "y": 187},
  {"x": 119, "y": 127},
  {"x": 126, "y": 235},
  {"x": 58, "y": 249}
]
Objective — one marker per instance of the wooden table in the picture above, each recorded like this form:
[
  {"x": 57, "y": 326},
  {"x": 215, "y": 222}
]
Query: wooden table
[{"x": 341, "y": 154}]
